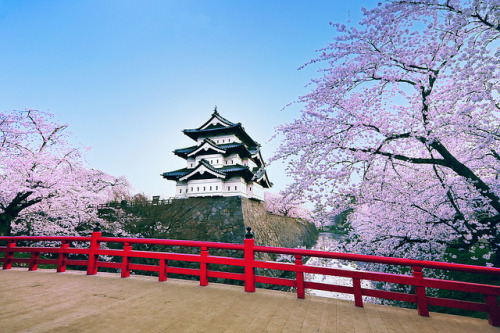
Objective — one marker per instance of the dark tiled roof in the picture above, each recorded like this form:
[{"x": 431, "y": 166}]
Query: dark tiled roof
[
  {"x": 210, "y": 167},
  {"x": 228, "y": 171},
  {"x": 217, "y": 115},
  {"x": 234, "y": 168},
  {"x": 235, "y": 129},
  {"x": 229, "y": 145},
  {"x": 211, "y": 129},
  {"x": 244, "y": 151},
  {"x": 185, "y": 150},
  {"x": 176, "y": 174}
]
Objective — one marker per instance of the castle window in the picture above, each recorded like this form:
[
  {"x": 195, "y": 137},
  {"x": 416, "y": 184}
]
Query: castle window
[
  {"x": 217, "y": 141},
  {"x": 210, "y": 188},
  {"x": 236, "y": 188},
  {"x": 191, "y": 189},
  {"x": 180, "y": 191},
  {"x": 232, "y": 162},
  {"x": 204, "y": 188},
  {"x": 198, "y": 189},
  {"x": 216, "y": 188},
  {"x": 222, "y": 141},
  {"x": 250, "y": 188},
  {"x": 217, "y": 161},
  {"x": 228, "y": 188}
]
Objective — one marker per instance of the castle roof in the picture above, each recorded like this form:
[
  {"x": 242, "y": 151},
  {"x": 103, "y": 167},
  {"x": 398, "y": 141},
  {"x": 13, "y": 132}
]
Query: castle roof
[
  {"x": 210, "y": 147},
  {"x": 206, "y": 135},
  {"x": 218, "y": 125},
  {"x": 204, "y": 170}
]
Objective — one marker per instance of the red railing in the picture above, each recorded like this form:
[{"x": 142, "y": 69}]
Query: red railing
[{"x": 249, "y": 262}]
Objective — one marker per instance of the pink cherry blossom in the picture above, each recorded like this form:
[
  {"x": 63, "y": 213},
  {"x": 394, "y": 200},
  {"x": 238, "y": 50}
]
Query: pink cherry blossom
[
  {"x": 405, "y": 118},
  {"x": 46, "y": 187},
  {"x": 287, "y": 205}
]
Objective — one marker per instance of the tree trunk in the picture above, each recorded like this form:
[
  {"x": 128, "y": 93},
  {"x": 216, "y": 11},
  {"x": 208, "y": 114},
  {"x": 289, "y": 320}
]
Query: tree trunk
[
  {"x": 5, "y": 221},
  {"x": 12, "y": 210}
]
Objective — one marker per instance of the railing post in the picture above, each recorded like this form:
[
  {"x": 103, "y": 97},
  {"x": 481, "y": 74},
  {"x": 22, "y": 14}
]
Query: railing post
[
  {"x": 358, "y": 293},
  {"x": 9, "y": 254},
  {"x": 422, "y": 304},
  {"x": 126, "y": 260},
  {"x": 493, "y": 310},
  {"x": 163, "y": 270},
  {"x": 299, "y": 277},
  {"x": 63, "y": 258},
  {"x": 203, "y": 267},
  {"x": 249, "y": 258},
  {"x": 94, "y": 246},
  {"x": 35, "y": 256}
]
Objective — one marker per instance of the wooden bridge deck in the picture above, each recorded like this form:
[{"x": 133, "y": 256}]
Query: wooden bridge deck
[{"x": 45, "y": 301}]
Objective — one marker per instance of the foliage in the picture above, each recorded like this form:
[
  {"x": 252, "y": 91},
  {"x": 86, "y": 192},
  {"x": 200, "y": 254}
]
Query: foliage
[
  {"x": 46, "y": 188},
  {"x": 405, "y": 119},
  {"x": 340, "y": 222},
  {"x": 285, "y": 204}
]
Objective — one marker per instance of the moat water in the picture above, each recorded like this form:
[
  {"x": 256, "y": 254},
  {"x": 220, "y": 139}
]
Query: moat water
[{"x": 331, "y": 242}]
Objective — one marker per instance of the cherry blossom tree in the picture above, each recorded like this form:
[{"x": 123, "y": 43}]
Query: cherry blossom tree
[
  {"x": 46, "y": 188},
  {"x": 405, "y": 119},
  {"x": 285, "y": 204}
]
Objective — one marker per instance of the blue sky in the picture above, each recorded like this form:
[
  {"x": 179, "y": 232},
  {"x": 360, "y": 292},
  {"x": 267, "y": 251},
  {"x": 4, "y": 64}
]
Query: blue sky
[{"x": 128, "y": 76}]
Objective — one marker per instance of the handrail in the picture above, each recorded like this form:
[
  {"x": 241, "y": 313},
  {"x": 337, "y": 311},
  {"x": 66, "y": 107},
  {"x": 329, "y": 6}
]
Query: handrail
[
  {"x": 248, "y": 261},
  {"x": 45, "y": 238},
  {"x": 380, "y": 260},
  {"x": 173, "y": 242}
]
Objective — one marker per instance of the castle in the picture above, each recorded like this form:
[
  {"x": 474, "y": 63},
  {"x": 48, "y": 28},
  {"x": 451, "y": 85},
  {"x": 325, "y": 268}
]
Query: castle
[{"x": 225, "y": 162}]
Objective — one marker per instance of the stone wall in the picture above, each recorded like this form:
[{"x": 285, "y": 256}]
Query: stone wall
[
  {"x": 210, "y": 219},
  {"x": 223, "y": 219},
  {"x": 275, "y": 230}
]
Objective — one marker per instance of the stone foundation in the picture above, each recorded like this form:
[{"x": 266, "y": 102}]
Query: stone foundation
[{"x": 223, "y": 219}]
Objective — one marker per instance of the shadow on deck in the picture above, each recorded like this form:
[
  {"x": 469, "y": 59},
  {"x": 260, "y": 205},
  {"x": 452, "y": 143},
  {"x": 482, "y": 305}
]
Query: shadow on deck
[{"x": 45, "y": 301}]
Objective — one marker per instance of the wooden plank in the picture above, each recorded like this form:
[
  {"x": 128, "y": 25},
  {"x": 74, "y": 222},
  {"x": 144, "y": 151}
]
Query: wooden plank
[
  {"x": 46, "y": 301},
  {"x": 344, "y": 322}
]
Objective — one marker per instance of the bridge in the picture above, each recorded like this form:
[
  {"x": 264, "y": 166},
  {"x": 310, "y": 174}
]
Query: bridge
[{"x": 47, "y": 301}]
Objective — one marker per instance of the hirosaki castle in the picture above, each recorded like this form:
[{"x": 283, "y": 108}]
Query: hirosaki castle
[{"x": 225, "y": 161}]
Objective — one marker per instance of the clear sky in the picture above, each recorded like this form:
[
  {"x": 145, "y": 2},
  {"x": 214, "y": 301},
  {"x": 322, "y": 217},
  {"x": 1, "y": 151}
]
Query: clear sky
[{"x": 129, "y": 76}]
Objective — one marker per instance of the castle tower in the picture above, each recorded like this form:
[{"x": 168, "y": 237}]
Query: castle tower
[{"x": 225, "y": 161}]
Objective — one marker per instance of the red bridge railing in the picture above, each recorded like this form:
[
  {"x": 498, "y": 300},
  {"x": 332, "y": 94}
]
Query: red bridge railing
[{"x": 249, "y": 263}]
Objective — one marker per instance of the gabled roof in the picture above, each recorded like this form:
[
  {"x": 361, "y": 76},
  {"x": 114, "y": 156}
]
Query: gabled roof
[
  {"x": 218, "y": 125},
  {"x": 206, "y": 145},
  {"x": 216, "y": 121},
  {"x": 224, "y": 148},
  {"x": 205, "y": 167},
  {"x": 174, "y": 175},
  {"x": 201, "y": 168}
]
